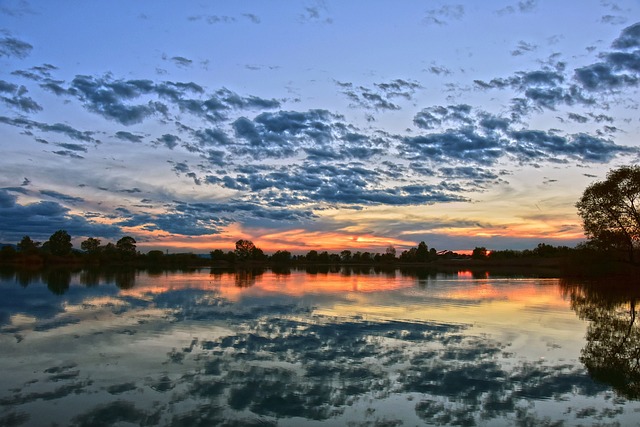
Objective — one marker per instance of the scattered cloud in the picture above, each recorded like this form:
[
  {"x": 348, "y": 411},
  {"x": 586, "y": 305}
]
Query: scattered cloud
[
  {"x": 11, "y": 46},
  {"x": 444, "y": 14}
]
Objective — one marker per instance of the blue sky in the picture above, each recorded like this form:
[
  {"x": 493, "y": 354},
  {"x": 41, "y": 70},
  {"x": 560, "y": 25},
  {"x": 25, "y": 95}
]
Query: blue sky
[{"x": 313, "y": 125}]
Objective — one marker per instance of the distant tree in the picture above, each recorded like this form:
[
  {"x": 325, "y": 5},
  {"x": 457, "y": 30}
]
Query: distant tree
[
  {"x": 610, "y": 210},
  {"x": 323, "y": 257},
  {"x": 312, "y": 256},
  {"x": 155, "y": 255},
  {"x": 91, "y": 245},
  {"x": 282, "y": 257},
  {"x": 246, "y": 250},
  {"x": 126, "y": 246},
  {"x": 345, "y": 256},
  {"x": 390, "y": 253},
  {"x": 217, "y": 255},
  {"x": 479, "y": 253},
  {"x": 26, "y": 245},
  {"x": 7, "y": 252},
  {"x": 60, "y": 243},
  {"x": 422, "y": 252}
]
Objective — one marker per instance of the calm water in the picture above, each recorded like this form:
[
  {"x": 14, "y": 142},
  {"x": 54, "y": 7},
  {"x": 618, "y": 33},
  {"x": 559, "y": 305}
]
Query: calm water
[{"x": 359, "y": 349}]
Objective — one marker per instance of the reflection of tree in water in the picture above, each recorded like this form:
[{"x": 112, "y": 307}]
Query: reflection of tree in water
[
  {"x": 58, "y": 280},
  {"x": 612, "y": 352},
  {"x": 125, "y": 279},
  {"x": 247, "y": 277}
]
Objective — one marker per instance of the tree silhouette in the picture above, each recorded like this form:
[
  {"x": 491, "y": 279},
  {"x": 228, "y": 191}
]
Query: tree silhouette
[
  {"x": 26, "y": 245},
  {"x": 612, "y": 350},
  {"x": 126, "y": 246},
  {"x": 91, "y": 245},
  {"x": 60, "y": 243},
  {"x": 609, "y": 210}
]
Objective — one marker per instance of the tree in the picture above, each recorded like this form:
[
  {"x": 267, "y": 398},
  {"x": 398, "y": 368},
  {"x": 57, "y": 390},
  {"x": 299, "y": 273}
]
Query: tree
[
  {"x": 217, "y": 255},
  {"x": 60, "y": 243},
  {"x": 126, "y": 245},
  {"x": 479, "y": 253},
  {"x": 246, "y": 250},
  {"x": 422, "y": 252},
  {"x": 610, "y": 210},
  {"x": 26, "y": 245},
  {"x": 281, "y": 257},
  {"x": 91, "y": 245}
]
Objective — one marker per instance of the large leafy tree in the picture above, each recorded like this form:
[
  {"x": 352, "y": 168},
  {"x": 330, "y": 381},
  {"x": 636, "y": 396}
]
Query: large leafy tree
[
  {"x": 26, "y": 245},
  {"x": 91, "y": 245},
  {"x": 610, "y": 210},
  {"x": 127, "y": 245},
  {"x": 246, "y": 250},
  {"x": 60, "y": 243}
]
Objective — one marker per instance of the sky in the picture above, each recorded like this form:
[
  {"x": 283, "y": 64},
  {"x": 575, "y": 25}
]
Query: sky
[{"x": 324, "y": 125}]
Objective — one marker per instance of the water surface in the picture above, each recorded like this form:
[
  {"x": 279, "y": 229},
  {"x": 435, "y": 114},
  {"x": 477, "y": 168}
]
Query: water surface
[{"x": 358, "y": 348}]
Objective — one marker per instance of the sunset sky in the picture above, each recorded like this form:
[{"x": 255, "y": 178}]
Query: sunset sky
[{"x": 323, "y": 125}]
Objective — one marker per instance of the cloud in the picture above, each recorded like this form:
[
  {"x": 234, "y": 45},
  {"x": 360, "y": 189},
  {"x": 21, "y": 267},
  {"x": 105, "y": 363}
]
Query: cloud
[
  {"x": 39, "y": 220},
  {"x": 522, "y": 48},
  {"x": 120, "y": 100},
  {"x": 128, "y": 136},
  {"x": 10, "y": 46},
  {"x": 17, "y": 98},
  {"x": 619, "y": 68},
  {"x": 381, "y": 97},
  {"x": 434, "y": 117},
  {"x": 444, "y": 14},
  {"x": 524, "y": 6},
  {"x": 168, "y": 140},
  {"x": 60, "y": 196},
  {"x": 64, "y": 129},
  {"x": 316, "y": 13},
  {"x": 181, "y": 61},
  {"x": 482, "y": 139},
  {"x": 251, "y": 17}
]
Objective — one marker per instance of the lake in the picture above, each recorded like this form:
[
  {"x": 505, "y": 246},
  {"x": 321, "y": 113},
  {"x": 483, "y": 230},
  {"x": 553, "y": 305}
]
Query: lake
[{"x": 350, "y": 347}]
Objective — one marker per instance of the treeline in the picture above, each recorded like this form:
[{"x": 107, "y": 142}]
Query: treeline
[{"x": 58, "y": 249}]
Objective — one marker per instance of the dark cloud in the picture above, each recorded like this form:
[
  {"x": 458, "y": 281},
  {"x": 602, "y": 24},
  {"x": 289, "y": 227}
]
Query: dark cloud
[
  {"x": 168, "y": 140},
  {"x": 17, "y": 98},
  {"x": 524, "y": 6},
  {"x": 614, "y": 19},
  {"x": 128, "y": 136},
  {"x": 198, "y": 219},
  {"x": 60, "y": 196},
  {"x": 462, "y": 145},
  {"x": 132, "y": 101},
  {"x": 522, "y": 48},
  {"x": 444, "y": 14},
  {"x": 251, "y": 17},
  {"x": 181, "y": 61},
  {"x": 439, "y": 70},
  {"x": 39, "y": 220},
  {"x": 617, "y": 69},
  {"x": 381, "y": 97},
  {"x": 84, "y": 136},
  {"x": 540, "y": 145},
  {"x": 68, "y": 153},
  {"x": 72, "y": 147},
  {"x": 629, "y": 38},
  {"x": 481, "y": 138},
  {"x": 316, "y": 13},
  {"x": 434, "y": 117},
  {"x": 10, "y": 46},
  {"x": 37, "y": 73},
  {"x": 577, "y": 118}
]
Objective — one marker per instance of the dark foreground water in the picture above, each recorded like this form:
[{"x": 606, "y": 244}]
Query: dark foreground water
[{"x": 355, "y": 349}]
